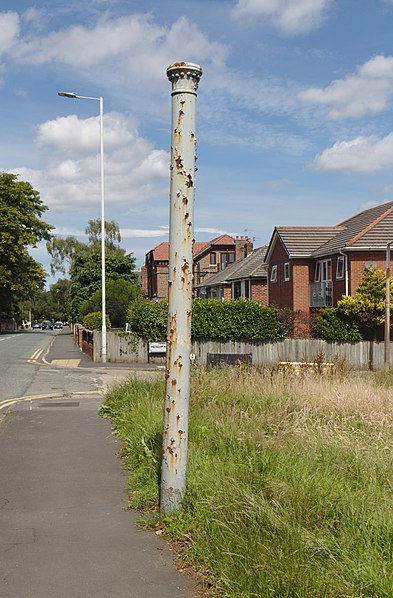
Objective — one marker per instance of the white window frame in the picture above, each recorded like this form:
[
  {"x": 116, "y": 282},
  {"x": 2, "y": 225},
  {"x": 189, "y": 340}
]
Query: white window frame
[
  {"x": 273, "y": 274},
  {"x": 340, "y": 265},
  {"x": 322, "y": 268},
  {"x": 287, "y": 272}
]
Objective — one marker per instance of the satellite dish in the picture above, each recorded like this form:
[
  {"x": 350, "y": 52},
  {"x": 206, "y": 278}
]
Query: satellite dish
[{"x": 369, "y": 265}]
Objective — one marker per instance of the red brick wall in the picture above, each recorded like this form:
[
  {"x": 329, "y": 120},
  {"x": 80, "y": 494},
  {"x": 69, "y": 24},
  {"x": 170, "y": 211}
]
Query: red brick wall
[
  {"x": 227, "y": 292},
  {"x": 259, "y": 291},
  {"x": 205, "y": 267},
  {"x": 356, "y": 264},
  {"x": 162, "y": 281},
  {"x": 144, "y": 283},
  {"x": 280, "y": 293},
  {"x": 300, "y": 274},
  {"x": 243, "y": 247}
]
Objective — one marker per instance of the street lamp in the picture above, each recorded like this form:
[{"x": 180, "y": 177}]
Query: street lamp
[
  {"x": 387, "y": 310},
  {"x": 66, "y": 94}
]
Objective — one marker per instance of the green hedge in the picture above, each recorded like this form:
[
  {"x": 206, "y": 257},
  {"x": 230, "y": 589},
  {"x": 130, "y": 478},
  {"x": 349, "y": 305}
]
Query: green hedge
[
  {"x": 210, "y": 319},
  {"x": 334, "y": 325},
  {"x": 149, "y": 318}
]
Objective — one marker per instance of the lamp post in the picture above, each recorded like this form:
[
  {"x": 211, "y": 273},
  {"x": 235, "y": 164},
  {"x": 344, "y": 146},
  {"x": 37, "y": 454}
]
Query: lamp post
[
  {"x": 66, "y": 94},
  {"x": 184, "y": 77},
  {"x": 387, "y": 311}
]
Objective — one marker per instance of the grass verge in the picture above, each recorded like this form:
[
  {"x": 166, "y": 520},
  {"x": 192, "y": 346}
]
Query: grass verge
[{"x": 289, "y": 485}]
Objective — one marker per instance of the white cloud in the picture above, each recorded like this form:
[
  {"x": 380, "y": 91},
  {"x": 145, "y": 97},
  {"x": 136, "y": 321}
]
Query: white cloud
[
  {"x": 139, "y": 233},
  {"x": 369, "y": 91},
  {"x": 135, "y": 171},
  {"x": 290, "y": 16},
  {"x": 362, "y": 154},
  {"x": 130, "y": 48},
  {"x": 9, "y": 30}
]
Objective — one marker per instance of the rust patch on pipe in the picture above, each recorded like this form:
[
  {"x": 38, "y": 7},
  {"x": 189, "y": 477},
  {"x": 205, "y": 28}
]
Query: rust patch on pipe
[{"x": 189, "y": 181}]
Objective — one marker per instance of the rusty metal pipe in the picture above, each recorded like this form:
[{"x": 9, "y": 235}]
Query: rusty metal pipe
[{"x": 184, "y": 77}]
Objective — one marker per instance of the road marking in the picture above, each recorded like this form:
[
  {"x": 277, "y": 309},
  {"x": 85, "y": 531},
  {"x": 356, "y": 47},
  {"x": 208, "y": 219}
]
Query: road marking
[
  {"x": 6, "y": 403},
  {"x": 35, "y": 355},
  {"x": 65, "y": 363}
]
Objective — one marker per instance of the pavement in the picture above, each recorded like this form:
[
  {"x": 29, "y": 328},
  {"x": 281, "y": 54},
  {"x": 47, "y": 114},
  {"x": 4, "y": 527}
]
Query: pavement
[{"x": 64, "y": 530}]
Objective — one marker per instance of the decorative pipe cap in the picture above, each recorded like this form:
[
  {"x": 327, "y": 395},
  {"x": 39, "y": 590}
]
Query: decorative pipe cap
[{"x": 184, "y": 77}]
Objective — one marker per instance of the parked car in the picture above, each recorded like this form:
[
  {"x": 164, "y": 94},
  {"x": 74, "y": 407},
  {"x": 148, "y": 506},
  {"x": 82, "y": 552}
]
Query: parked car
[
  {"x": 46, "y": 325},
  {"x": 36, "y": 326},
  {"x": 58, "y": 325}
]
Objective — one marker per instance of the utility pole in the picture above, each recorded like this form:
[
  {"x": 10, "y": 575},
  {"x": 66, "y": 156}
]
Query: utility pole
[
  {"x": 387, "y": 311},
  {"x": 184, "y": 77}
]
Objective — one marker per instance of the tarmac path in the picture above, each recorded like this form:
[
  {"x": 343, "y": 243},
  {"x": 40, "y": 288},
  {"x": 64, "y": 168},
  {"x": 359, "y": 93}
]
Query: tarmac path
[{"x": 64, "y": 530}]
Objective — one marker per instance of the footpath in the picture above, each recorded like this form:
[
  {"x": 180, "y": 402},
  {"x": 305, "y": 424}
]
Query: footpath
[{"x": 64, "y": 530}]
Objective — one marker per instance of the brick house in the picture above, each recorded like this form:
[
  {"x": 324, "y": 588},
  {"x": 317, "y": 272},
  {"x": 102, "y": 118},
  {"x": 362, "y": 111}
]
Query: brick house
[
  {"x": 311, "y": 267},
  {"x": 210, "y": 257},
  {"x": 245, "y": 278}
]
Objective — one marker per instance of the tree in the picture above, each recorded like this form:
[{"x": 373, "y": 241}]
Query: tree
[
  {"x": 335, "y": 325},
  {"x": 112, "y": 234},
  {"x": 83, "y": 262},
  {"x": 63, "y": 252},
  {"x": 21, "y": 227},
  {"x": 85, "y": 275},
  {"x": 368, "y": 303},
  {"x": 120, "y": 293}
]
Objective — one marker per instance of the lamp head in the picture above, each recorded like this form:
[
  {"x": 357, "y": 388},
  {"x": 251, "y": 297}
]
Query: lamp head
[{"x": 66, "y": 94}]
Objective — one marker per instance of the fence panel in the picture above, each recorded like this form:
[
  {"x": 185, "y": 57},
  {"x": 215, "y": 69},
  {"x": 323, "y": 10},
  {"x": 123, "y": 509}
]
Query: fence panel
[{"x": 362, "y": 355}]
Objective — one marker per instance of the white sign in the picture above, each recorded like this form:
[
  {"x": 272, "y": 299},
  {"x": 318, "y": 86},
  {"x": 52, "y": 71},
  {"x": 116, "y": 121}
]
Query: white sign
[{"x": 157, "y": 347}]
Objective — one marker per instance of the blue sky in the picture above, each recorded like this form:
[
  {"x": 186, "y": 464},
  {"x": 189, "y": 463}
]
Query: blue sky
[{"x": 294, "y": 111}]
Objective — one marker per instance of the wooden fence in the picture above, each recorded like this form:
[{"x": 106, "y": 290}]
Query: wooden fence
[{"x": 362, "y": 355}]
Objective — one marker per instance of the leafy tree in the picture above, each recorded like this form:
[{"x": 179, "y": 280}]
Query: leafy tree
[
  {"x": 368, "y": 304},
  {"x": 86, "y": 276},
  {"x": 149, "y": 318},
  {"x": 63, "y": 252},
  {"x": 21, "y": 227},
  {"x": 83, "y": 262},
  {"x": 120, "y": 293},
  {"x": 112, "y": 235},
  {"x": 93, "y": 321},
  {"x": 334, "y": 325}
]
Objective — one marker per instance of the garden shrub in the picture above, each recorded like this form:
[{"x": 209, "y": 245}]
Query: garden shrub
[
  {"x": 93, "y": 321},
  {"x": 334, "y": 325}
]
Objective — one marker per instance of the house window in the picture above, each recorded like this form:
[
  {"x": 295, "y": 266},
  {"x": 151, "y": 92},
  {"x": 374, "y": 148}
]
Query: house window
[
  {"x": 286, "y": 271},
  {"x": 231, "y": 258},
  {"x": 213, "y": 258},
  {"x": 247, "y": 293},
  {"x": 340, "y": 267},
  {"x": 224, "y": 260},
  {"x": 323, "y": 271},
  {"x": 237, "y": 289},
  {"x": 273, "y": 274}
]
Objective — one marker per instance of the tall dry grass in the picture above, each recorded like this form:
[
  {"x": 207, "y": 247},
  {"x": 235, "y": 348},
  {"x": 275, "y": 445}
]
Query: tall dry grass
[{"x": 289, "y": 489}]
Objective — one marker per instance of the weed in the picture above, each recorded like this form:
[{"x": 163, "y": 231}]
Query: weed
[{"x": 289, "y": 485}]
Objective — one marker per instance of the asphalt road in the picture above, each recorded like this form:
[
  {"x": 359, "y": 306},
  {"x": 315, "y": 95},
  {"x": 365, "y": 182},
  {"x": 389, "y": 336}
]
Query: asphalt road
[
  {"x": 64, "y": 530},
  {"x": 16, "y": 373}
]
